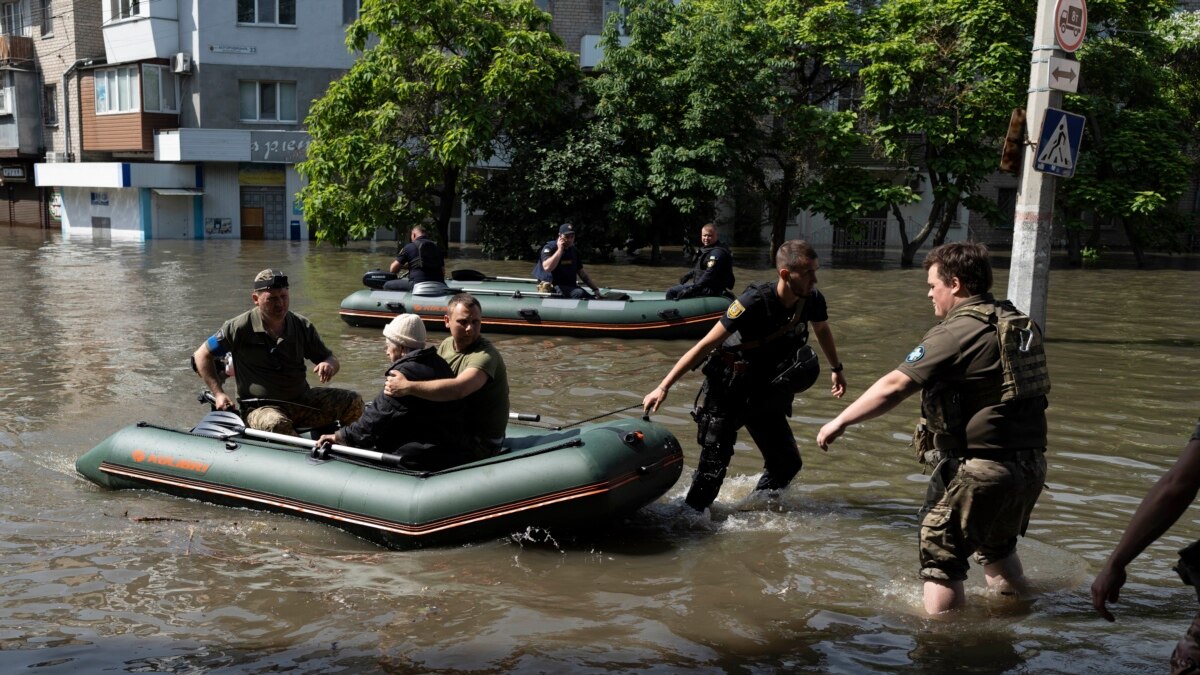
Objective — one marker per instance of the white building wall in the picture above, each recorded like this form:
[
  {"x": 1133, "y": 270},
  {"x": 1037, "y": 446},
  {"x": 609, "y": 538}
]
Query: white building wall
[
  {"x": 222, "y": 200},
  {"x": 121, "y": 206}
]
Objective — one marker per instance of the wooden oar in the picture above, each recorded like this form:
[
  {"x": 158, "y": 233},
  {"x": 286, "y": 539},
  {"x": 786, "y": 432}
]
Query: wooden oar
[{"x": 223, "y": 420}]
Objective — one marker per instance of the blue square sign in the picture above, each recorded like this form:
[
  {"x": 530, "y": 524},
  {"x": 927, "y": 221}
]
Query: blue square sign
[{"x": 1058, "y": 144}]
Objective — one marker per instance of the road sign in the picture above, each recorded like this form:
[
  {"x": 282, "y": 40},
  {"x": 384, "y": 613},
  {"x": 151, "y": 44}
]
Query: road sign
[
  {"x": 1070, "y": 23},
  {"x": 1060, "y": 74},
  {"x": 1058, "y": 143}
]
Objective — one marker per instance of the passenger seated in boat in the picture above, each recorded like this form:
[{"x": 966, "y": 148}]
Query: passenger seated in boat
[
  {"x": 271, "y": 345},
  {"x": 712, "y": 273},
  {"x": 426, "y": 434},
  {"x": 480, "y": 376},
  {"x": 421, "y": 258},
  {"x": 559, "y": 264}
]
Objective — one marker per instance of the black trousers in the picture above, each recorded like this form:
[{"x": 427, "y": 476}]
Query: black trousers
[{"x": 722, "y": 414}]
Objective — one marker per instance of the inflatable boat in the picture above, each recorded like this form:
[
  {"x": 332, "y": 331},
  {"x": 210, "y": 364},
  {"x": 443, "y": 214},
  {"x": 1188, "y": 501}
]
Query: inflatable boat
[
  {"x": 572, "y": 479},
  {"x": 514, "y": 305}
]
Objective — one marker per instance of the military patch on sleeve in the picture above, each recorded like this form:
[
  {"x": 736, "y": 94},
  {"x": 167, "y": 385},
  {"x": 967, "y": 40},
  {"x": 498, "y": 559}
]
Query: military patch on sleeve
[
  {"x": 712, "y": 261},
  {"x": 916, "y": 354},
  {"x": 735, "y": 309}
]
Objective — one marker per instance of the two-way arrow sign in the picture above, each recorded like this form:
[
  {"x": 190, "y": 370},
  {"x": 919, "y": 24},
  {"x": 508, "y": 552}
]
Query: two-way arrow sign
[{"x": 1060, "y": 74}]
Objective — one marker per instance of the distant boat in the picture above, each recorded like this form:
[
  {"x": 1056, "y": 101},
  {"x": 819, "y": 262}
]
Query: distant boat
[
  {"x": 575, "y": 479},
  {"x": 514, "y": 305}
]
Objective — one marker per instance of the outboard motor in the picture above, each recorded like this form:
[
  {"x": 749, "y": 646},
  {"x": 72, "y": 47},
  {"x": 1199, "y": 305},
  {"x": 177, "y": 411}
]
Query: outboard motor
[{"x": 377, "y": 278}]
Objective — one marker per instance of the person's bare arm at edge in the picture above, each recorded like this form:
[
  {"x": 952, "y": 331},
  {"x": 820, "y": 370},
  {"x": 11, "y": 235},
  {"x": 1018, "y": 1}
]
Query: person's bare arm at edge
[
  {"x": 887, "y": 392},
  {"x": 685, "y": 363},
  {"x": 1162, "y": 506},
  {"x": 588, "y": 280},
  {"x": 825, "y": 337},
  {"x": 466, "y": 383},
  {"x": 208, "y": 373}
]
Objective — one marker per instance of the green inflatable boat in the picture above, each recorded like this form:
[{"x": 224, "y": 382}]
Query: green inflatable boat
[
  {"x": 572, "y": 479},
  {"x": 514, "y": 305}
]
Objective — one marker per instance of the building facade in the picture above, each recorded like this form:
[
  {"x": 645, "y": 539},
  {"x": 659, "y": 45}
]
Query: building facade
[{"x": 190, "y": 119}]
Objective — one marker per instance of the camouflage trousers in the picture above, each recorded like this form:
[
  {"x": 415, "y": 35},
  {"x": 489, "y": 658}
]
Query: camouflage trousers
[
  {"x": 318, "y": 407},
  {"x": 976, "y": 508},
  {"x": 1185, "y": 660}
]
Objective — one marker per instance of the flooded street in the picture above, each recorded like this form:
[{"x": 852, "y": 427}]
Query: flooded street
[{"x": 97, "y": 335}]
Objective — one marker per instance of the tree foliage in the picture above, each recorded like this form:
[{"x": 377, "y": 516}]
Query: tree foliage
[
  {"x": 1140, "y": 142},
  {"x": 438, "y": 85}
]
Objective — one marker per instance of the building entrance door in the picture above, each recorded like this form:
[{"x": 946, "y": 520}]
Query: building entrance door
[{"x": 252, "y": 222}]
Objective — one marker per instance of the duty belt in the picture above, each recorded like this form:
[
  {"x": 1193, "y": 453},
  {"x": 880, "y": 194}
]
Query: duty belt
[{"x": 994, "y": 455}]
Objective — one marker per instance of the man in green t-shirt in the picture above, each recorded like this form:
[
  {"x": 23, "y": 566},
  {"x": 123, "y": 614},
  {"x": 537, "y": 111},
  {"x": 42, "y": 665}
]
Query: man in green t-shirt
[
  {"x": 269, "y": 345},
  {"x": 481, "y": 379}
]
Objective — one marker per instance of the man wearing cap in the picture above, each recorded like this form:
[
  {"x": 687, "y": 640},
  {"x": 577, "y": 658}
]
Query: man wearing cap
[
  {"x": 559, "y": 264},
  {"x": 426, "y": 434},
  {"x": 270, "y": 344},
  {"x": 480, "y": 376}
]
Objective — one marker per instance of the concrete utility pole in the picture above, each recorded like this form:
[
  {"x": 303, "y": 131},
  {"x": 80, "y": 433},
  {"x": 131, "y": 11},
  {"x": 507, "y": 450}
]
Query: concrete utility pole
[{"x": 1029, "y": 275}]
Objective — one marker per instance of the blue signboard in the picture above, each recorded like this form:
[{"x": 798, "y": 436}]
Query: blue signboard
[{"x": 1058, "y": 144}]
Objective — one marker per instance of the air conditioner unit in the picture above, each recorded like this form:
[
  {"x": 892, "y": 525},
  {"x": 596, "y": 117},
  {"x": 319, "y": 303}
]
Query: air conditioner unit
[{"x": 181, "y": 63}]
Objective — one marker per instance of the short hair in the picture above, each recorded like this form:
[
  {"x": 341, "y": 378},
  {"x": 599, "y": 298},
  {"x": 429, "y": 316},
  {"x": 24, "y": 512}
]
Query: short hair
[
  {"x": 967, "y": 260},
  {"x": 794, "y": 252},
  {"x": 465, "y": 299},
  {"x": 419, "y": 229},
  {"x": 709, "y": 226}
]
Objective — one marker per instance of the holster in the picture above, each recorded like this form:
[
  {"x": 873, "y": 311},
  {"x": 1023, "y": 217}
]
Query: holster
[
  {"x": 1188, "y": 567},
  {"x": 923, "y": 446}
]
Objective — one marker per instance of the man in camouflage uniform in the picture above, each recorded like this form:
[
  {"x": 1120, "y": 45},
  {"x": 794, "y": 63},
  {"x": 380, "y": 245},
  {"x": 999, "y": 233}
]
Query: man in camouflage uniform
[
  {"x": 1163, "y": 505},
  {"x": 982, "y": 373},
  {"x": 269, "y": 345}
]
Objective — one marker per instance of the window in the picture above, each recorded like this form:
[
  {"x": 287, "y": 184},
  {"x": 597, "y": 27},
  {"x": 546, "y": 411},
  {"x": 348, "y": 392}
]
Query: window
[
  {"x": 1006, "y": 203},
  {"x": 6, "y": 92},
  {"x": 12, "y": 19},
  {"x": 276, "y": 12},
  {"x": 160, "y": 91},
  {"x": 350, "y": 11},
  {"x": 124, "y": 9},
  {"x": 117, "y": 90},
  {"x": 267, "y": 101},
  {"x": 46, "y": 17},
  {"x": 50, "y": 105}
]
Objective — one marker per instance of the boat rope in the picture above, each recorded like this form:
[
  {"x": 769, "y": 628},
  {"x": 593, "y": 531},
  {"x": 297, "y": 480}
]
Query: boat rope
[{"x": 614, "y": 412}]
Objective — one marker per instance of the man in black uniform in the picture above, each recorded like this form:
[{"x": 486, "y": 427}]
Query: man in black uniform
[
  {"x": 759, "y": 361},
  {"x": 423, "y": 260},
  {"x": 713, "y": 271}
]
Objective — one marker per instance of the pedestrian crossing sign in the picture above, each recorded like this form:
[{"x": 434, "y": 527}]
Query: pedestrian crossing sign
[{"x": 1058, "y": 144}]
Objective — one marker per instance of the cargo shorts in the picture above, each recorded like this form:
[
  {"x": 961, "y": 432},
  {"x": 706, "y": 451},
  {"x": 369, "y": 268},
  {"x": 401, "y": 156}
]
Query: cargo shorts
[
  {"x": 985, "y": 507},
  {"x": 318, "y": 407}
]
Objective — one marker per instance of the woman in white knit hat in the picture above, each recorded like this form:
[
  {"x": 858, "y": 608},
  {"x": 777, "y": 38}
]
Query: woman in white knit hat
[{"x": 427, "y": 434}]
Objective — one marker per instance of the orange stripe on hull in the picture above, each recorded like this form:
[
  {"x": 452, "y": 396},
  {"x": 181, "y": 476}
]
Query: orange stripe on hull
[{"x": 296, "y": 506}]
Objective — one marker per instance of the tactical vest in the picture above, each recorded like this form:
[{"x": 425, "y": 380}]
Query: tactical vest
[
  {"x": 750, "y": 357},
  {"x": 946, "y": 407},
  {"x": 427, "y": 256}
]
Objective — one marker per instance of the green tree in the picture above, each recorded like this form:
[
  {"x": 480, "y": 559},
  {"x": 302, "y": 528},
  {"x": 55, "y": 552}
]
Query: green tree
[
  {"x": 438, "y": 85},
  {"x": 1139, "y": 148},
  {"x": 939, "y": 79}
]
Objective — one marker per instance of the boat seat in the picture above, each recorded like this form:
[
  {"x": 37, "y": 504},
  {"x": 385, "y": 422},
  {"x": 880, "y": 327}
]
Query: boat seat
[{"x": 430, "y": 288}]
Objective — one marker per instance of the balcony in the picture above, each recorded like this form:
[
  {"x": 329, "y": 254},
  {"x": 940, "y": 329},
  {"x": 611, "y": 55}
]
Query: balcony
[
  {"x": 15, "y": 48},
  {"x": 141, "y": 38}
]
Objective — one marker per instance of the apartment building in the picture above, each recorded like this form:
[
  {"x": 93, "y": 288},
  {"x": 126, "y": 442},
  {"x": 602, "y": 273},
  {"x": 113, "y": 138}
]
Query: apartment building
[{"x": 189, "y": 118}]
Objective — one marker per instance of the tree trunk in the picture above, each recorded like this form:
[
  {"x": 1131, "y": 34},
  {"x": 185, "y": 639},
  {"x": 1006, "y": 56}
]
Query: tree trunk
[
  {"x": 780, "y": 205},
  {"x": 910, "y": 249},
  {"x": 1135, "y": 243}
]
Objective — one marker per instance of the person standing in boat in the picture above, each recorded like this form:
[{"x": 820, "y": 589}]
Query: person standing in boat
[
  {"x": 560, "y": 265},
  {"x": 755, "y": 360},
  {"x": 423, "y": 260},
  {"x": 425, "y": 434},
  {"x": 713, "y": 270},
  {"x": 270, "y": 345},
  {"x": 983, "y": 377},
  {"x": 480, "y": 376},
  {"x": 1162, "y": 506}
]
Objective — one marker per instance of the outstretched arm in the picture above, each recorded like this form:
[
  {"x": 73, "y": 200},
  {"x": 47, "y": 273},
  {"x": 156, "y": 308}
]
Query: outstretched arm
[
  {"x": 685, "y": 363},
  {"x": 1162, "y": 506},
  {"x": 887, "y": 392}
]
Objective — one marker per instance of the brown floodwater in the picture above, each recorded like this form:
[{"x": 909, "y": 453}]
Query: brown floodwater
[{"x": 97, "y": 335}]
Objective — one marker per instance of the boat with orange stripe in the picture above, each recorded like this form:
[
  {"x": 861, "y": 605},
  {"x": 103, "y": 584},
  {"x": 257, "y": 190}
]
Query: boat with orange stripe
[
  {"x": 570, "y": 479},
  {"x": 514, "y": 305}
]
